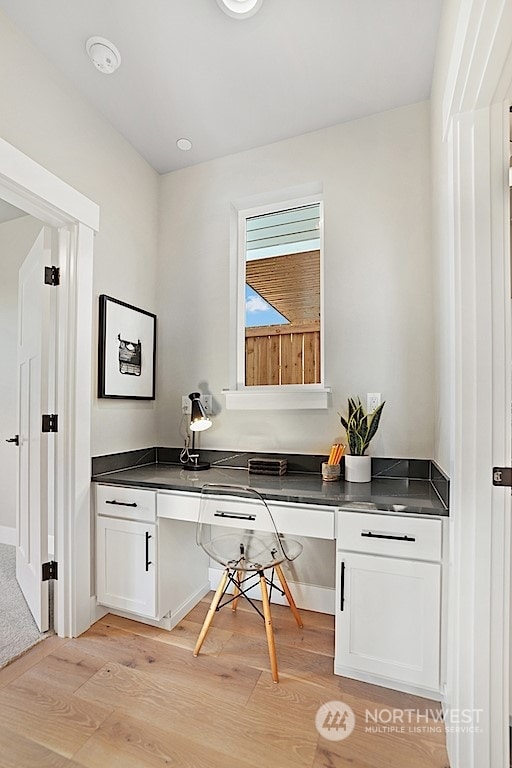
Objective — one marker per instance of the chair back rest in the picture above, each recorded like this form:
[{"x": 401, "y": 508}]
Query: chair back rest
[{"x": 234, "y": 507}]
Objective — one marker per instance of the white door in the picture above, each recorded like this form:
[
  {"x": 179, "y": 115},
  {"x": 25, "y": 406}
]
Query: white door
[{"x": 33, "y": 364}]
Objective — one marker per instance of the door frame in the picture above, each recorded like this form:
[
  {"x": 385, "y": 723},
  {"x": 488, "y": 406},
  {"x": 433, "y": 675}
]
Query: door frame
[
  {"x": 475, "y": 155},
  {"x": 30, "y": 187}
]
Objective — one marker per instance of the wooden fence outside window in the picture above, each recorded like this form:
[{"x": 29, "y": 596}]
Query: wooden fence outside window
[{"x": 282, "y": 354}]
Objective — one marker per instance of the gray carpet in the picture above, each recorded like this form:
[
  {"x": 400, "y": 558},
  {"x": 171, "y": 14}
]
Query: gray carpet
[{"x": 18, "y": 631}]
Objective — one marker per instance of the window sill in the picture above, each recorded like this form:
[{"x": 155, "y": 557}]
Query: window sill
[{"x": 277, "y": 398}]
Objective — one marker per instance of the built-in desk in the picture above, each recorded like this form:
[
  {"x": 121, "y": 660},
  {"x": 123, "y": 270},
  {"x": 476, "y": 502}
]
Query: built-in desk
[
  {"x": 386, "y": 494},
  {"x": 388, "y": 558}
]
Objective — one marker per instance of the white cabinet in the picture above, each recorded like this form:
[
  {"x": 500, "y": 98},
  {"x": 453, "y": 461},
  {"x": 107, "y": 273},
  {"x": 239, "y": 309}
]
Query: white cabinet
[
  {"x": 145, "y": 566},
  {"x": 127, "y": 549},
  {"x": 388, "y": 602},
  {"x": 126, "y": 565}
]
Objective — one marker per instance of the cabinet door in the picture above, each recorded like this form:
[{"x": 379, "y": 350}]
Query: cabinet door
[
  {"x": 388, "y": 618},
  {"x": 126, "y": 567}
]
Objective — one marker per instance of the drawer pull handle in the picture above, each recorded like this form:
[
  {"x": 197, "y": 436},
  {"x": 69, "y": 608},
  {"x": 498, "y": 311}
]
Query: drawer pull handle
[
  {"x": 148, "y": 561},
  {"x": 122, "y": 503},
  {"x": 342, "y": 587},
  {"x": 235, "y": 515},
  {"x": 371, "y": 535}
]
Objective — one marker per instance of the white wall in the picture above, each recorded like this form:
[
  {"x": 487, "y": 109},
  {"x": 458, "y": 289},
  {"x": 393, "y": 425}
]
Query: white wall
[
  {"x": 379, "y": 311},
  {"x": 47, "y": 120},
  {"x": 16, "y": 239}
]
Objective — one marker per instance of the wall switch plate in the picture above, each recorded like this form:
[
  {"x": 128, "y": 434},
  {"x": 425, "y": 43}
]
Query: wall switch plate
[
  {"x": 373, "y": 400},
  {"x": 205, "y": 399}
]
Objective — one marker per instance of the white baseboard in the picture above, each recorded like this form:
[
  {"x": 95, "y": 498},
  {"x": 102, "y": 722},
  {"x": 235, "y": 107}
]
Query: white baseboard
[
  {"x": 384, "y": 682},
  {"x": 7, "y": 535},
  {"x": 307, "y": 596},
  {"x": 169, "y": 621},
  {"x": 186, "y": 607}
]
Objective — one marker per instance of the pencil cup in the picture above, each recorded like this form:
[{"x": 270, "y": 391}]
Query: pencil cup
[{"x": 330, "y": 471}]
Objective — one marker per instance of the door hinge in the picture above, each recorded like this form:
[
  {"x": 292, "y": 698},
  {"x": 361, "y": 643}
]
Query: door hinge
[
  {"x": 50, "y": 571},
  {"x": 51, "y": 276},
  {"x": 50, "y": 422},
  {"x": 502, "y": 476}
]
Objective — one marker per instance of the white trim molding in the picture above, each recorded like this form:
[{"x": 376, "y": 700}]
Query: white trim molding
[
  {"x": 287, "y": 397},
  {"x": 476, "y": 226}
]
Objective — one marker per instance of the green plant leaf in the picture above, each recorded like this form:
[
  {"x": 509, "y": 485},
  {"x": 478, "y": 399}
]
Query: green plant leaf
[{"x": 360, "y": 426}]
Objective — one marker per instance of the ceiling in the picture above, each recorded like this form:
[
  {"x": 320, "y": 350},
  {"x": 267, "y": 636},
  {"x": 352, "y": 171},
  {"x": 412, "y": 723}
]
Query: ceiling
[{"x": 189, "y": 70}]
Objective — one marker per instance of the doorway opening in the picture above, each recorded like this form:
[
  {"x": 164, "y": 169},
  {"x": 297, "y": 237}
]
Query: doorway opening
[
  {"x": 74, "y": 219},
  {"x": 18, "y": 630}
]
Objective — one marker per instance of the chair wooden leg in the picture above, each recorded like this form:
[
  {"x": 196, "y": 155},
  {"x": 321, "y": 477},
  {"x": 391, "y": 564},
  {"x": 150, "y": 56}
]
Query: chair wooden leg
[
  {"x": 268, "y": 628},
  {"x": 211, "y": 612},
  {"x": 236, "y": 591},
  {"x": 286, "y": 590}
]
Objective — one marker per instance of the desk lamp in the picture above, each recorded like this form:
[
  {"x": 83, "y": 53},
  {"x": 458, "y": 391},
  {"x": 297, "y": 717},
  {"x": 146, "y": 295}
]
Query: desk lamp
[{"x": 199, "y": 421}]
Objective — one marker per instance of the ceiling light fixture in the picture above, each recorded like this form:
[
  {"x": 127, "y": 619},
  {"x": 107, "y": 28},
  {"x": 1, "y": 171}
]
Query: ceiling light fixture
[
  {"x": 103, "y": 54},
  {"x": 184, "y": 144},
  {"x": 240, "y": 9}
]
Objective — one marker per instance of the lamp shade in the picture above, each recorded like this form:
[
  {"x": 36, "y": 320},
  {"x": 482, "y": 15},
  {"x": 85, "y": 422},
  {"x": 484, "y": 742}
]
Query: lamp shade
[{"x": 199, "y": 421}]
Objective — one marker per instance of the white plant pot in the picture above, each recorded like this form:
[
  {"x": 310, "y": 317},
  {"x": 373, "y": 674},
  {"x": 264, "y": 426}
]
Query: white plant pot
[{"x": 358, "y": 469}]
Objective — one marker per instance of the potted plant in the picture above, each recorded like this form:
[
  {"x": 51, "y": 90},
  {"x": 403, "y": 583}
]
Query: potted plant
[{"x": 360, "y": 427}]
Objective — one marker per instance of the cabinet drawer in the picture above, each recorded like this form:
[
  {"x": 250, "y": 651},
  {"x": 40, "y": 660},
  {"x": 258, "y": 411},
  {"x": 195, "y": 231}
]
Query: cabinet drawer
[
  {"x": 128, "y": 503},
  {"x": 178, "y": 506},
  {"x": 306, "y": 520},
  {"x": 380, "y": 534}
]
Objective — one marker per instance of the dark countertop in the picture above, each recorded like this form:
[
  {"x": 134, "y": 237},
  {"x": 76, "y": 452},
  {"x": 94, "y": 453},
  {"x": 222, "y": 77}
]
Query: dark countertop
[{"x": 386, "y": 494}]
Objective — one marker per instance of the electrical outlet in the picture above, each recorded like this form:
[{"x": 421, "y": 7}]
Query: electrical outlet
[
  {"x": 205, "y": 399},
  {"x": 373, "y": 401}
]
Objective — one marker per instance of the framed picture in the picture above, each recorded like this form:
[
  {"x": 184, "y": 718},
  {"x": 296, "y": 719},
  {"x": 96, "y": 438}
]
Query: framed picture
[{"x": 126, "y": 351}]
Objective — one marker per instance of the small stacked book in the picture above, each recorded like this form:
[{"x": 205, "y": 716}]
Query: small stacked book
[{"x": 267, "y": 466}]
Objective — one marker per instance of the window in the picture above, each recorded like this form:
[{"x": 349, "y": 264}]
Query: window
[{"x": 279, "y": 334}]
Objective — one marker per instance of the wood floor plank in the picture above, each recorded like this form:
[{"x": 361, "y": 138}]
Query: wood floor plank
[
  {"x": 67, "y": 668},
  {"x": 184, "y": 635},
  {"x": 245, "y": 620},
  {"x": 127, "y": 742},
  {"x": 293, "y": 662},
  {"x": 51, "y": 717},
  {"x": 380, "y": 751},
  {"x": 216, "y": 720},
  {"x": 18, "y": 751},
  {"x": 176, "y": 664},
  {"x": 31, "y": 657}
]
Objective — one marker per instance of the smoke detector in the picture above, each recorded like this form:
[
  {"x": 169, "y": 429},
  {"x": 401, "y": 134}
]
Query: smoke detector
[
  {"x": 240, "y": 9},
  {"x": 103, "y": 54}
]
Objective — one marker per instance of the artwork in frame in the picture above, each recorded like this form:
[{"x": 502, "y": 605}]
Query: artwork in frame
[{"x": 126, "y": 351}]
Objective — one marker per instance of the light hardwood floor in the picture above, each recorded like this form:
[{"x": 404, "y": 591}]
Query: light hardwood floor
[{"x": 127, "y": 695}]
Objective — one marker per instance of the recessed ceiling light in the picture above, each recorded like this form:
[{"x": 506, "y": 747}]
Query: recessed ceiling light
[
  {"x": 240, "y": 9},
  {"x": 103, "y": 54},
  {"x": 184, "y": 145}
]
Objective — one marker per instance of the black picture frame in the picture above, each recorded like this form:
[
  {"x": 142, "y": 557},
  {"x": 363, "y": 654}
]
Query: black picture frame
[{"x": 126, "y": 351}]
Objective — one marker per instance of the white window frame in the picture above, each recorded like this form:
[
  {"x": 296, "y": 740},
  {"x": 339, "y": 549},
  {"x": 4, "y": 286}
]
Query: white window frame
[{"x": 282, "y": 396}]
